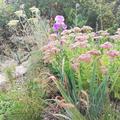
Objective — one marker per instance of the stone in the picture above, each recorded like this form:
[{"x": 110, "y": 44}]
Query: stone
[
  {"x": 20, "y": 70},
  {"x": 3, "y": 83}
]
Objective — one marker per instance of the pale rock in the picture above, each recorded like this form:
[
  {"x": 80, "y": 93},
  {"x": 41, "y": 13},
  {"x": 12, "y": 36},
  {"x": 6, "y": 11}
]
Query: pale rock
[
  {"x": 8, "y": 63},
  {"x": 3, "y": 82},
  {"x": 20, "y": 71}
]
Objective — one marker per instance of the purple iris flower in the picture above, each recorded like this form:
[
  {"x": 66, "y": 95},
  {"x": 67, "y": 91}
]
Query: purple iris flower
[
  {"x": 59, "y": 19},
  {"x": 64, "y": 26},
  {"x": 59, "y": 24},
  {"x": 56, "y": 26}
]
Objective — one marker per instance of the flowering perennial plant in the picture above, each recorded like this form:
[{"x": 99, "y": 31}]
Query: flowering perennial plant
[
  {"x": 85, "y": 60},
  {"x": 59, "y": 23}
]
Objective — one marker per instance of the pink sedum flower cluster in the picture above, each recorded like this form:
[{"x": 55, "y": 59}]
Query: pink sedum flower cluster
[
  {"x": 113, "y": 53},
  {"x": 106, "y": 45},
  {"x": 50, "y": 50},
  {"x": 81, "y": 41},
  {"x": 85, "y": 58},
  {"x": 94, "y": 52},
  {"x": 81, "y": 37}
]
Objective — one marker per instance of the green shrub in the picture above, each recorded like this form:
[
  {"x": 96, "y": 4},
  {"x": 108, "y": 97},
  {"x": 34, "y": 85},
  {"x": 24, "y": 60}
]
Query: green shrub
[
  {"x": 90, "y": 12},
  {"x": 23, "y": 103},
  {"x": 6, "y": 12}
]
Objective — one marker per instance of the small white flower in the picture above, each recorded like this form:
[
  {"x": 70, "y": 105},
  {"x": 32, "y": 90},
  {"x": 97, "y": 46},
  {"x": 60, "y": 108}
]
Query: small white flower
[
  {"x": 33, "y": 20},
  {"x": 34, "y": 9},
  {"x": 13, "y": 23},
  {"x": 20, "y": 13}
]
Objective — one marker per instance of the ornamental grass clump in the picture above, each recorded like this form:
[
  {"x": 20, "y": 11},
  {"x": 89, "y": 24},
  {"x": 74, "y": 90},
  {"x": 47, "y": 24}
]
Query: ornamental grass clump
[{"x": 83, "y": 63}]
